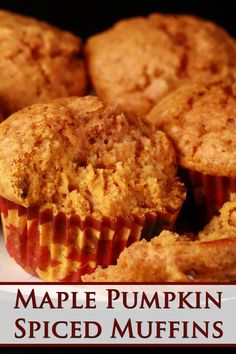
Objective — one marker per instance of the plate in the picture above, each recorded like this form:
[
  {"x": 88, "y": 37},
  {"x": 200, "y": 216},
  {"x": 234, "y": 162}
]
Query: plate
[{"x": 9, "y": 270}]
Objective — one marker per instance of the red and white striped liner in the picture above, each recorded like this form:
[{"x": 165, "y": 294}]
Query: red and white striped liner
[
  {"x": 60, "y": 247},
  {"x": 210, "y": 192}
]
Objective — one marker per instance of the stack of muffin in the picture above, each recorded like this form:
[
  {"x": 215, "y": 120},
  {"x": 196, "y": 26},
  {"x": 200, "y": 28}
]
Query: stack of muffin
[{"x": 82, "y": 178}]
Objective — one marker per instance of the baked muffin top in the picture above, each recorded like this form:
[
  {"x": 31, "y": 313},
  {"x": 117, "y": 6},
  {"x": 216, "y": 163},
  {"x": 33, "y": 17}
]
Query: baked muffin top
[
  {"x": 176, "y": 258},
  {"x": 38, "y": 62},
  {"x": 82, "y": 156},
  {"x": 201, "y": 122},
  {"x": 139, "y": 60}
]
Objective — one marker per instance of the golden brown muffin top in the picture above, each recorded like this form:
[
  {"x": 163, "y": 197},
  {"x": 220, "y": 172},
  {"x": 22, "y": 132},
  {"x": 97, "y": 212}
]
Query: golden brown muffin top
[
  {"x": 174, "y": 258},
  {"x": 38, "y": 62},
  {"x": 82, "y": 156},
  {"x": 201, "y": 122},
  {"x": 139, "y": 60}
]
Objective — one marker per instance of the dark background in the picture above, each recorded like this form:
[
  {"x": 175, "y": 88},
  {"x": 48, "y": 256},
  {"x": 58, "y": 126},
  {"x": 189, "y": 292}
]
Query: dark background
[{"x": 88, "y": 17}]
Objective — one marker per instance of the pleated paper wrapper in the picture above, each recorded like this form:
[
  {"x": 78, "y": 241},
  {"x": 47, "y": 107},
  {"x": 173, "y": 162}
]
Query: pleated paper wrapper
[
  {"x": 61, "y": 247},
  {"x": 209, "y": 192}
]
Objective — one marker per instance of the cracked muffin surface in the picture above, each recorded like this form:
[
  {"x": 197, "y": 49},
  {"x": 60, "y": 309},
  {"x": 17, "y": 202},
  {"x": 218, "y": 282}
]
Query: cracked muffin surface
[
  {"x": 139, "y": 60},
  {"x": 38, "y": 62},
  {"x": 82, "y": 156},
  {"x": 200, "y": 119}
]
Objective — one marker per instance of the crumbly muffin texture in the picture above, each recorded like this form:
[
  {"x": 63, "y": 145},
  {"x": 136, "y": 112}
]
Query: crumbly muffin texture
[
  {"x": 38, "y": 62},
  {"x": 170, "y": 257},
  {"x": 221, "y": 226},
  {"x": 200, "y": 119},
  {"x": 139, "y": 60},
  {"x": 82, "y": 156}
]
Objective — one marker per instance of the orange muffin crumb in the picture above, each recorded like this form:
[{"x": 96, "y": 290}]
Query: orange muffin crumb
[{"x": 82, "y": 156}]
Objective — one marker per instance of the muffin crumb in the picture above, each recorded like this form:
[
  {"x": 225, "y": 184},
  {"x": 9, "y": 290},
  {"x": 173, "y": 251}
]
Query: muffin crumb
[{"x": 82, "y": 156}]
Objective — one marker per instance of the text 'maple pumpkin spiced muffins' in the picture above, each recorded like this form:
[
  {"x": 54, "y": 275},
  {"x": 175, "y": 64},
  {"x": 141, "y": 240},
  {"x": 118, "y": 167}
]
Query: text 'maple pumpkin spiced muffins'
[
  {"x": 200, "y": 119},
  {"x": 38, "y": 62},
  {"x": 139, "y": 60},
  {"x": 80, "y": 180},
  {"x": 177, "y": 258}
]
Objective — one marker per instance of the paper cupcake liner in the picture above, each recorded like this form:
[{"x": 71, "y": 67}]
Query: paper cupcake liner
[
  {"x": 209, "y": 192},
  {"x": 60, "y": 247}
]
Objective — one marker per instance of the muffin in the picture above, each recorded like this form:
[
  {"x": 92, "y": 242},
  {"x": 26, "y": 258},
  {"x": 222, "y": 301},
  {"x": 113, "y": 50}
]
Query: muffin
[
  {"x": 38, "y": 62},
  {"x": 174, "y": 258},
  {"x": 79, "y": 181},
  {"x": 200, "y": 119},
  {"x": 139, "y": 60}
]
